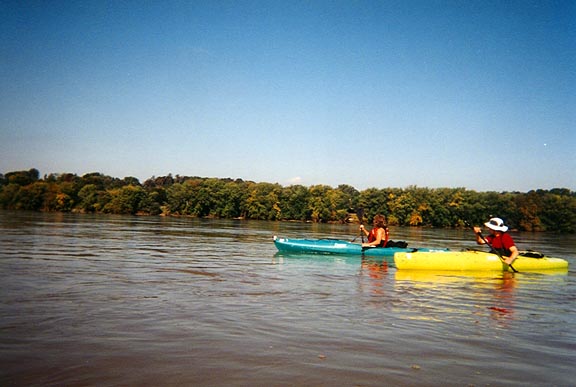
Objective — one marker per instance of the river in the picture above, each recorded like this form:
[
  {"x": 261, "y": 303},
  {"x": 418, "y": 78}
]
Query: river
[{"x": 149, "y": 301}]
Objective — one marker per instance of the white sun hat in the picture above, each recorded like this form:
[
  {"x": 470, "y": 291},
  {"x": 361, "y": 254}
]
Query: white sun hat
[{"x": 496, "y": 224}]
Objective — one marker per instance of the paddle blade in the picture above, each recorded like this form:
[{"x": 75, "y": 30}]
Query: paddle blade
[{"x": 360, "y": 215}]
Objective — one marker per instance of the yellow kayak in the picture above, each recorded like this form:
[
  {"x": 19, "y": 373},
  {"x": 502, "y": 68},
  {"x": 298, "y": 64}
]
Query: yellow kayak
[{"x": 472, "y": 261}]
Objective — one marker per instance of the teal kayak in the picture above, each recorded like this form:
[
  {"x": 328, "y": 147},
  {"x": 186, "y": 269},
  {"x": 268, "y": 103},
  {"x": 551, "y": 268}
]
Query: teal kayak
[{"x": 334, "y": 246}]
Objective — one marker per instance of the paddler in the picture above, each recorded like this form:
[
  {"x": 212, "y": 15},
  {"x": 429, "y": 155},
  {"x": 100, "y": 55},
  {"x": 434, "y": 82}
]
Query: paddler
[
  {"x": 378, "y": 236},
  {"x": 499, "y": 240}
]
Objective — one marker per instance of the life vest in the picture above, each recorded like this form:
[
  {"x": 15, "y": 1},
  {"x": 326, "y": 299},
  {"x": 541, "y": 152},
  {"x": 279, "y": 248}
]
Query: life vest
[{"x": 373, "y": 235}]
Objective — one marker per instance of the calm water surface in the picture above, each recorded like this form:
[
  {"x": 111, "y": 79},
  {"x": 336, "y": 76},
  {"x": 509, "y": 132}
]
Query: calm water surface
[{"x": 110, "y": 300}]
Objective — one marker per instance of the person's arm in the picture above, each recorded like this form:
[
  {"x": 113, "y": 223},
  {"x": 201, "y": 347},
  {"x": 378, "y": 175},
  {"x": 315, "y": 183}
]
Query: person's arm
[
  {"x": 386, "y": 236},
  {"x": 478, "y": 232},
  {"x": 513, "y": 254},
  {"x": 511, "y": 246}
]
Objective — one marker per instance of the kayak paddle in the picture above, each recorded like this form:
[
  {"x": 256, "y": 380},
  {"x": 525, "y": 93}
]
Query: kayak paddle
[{"x": 360, "y": 215}]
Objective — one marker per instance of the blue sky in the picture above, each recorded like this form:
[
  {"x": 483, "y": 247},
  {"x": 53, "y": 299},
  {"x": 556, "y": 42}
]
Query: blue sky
[{"x": 475, "y": 94}]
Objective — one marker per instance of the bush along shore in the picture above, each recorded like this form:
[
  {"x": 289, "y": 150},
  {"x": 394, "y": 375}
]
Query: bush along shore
[{"x": 536, "y": 210}]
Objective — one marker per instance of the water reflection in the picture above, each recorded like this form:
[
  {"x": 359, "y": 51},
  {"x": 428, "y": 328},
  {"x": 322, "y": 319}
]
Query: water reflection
[
  {"x": 373, "y": 273},
  {"x": 503, "y": 309},
  {"x": 484, "y": 294}
]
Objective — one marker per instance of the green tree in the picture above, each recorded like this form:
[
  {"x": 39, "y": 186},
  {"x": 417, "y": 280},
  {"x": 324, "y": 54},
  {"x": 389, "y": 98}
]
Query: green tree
[
  {"x": 124, "y": 200},
  {"x": 177, "y": 199},
  {"x": 294, "y": 203},
  {"x": 402, "y": 208},
  {"x": 152, "y": 201},
  {"x": 207, "y": 197},
  {"x": 263, "y": 202},
  {"x": 88, "y": 196},
  {"x": 529, "y": 206},
  {"x": 31, "y": 197},
  {"x": 321, "y": 203},
  {"x": 231, "y": 199},
  {"x": 375, "y": 201},
  {"x": 9, "y": 196},
  {"x": 558, "y": 212},
  {"x": 23, "y": 178}
]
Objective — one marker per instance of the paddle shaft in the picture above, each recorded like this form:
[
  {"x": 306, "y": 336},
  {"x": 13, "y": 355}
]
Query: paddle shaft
[{"x": 360, "y": 214}]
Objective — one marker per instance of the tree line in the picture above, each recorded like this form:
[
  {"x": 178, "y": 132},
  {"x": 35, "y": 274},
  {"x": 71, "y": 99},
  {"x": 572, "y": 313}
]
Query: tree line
[{"x": 537, "y": 210}]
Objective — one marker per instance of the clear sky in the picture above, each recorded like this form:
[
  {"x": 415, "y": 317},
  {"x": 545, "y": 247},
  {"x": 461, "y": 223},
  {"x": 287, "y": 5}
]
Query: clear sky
[{"x": 474, "y": 94}]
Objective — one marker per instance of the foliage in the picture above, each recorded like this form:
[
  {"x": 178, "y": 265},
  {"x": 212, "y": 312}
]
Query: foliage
[{"x": 539, "y": 210}]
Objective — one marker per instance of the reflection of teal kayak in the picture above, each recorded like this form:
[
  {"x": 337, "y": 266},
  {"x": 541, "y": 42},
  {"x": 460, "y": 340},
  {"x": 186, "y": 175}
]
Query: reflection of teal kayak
[{"x": 334, "y": 246}]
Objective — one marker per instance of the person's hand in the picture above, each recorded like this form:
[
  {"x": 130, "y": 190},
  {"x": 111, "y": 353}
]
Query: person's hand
[
  {"x": 361, "y": 227},
  {"x": 477, "y": 230}
]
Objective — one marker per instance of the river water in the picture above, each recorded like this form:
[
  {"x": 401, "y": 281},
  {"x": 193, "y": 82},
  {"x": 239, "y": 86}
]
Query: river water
[{"x": 147, "y": 301}]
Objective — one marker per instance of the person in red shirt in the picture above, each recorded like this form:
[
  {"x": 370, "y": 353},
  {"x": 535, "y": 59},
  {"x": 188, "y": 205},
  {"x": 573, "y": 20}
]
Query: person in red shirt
[
  {"x": 378, "y": 236},
  {"x": 499, "y": 240}
]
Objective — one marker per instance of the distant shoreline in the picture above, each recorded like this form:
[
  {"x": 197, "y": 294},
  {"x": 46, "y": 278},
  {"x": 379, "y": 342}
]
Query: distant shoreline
[{"x": 540, "y": 210}]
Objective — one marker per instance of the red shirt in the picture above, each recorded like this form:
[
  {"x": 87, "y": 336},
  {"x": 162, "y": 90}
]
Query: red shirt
[{"x": 502, "y": 243}]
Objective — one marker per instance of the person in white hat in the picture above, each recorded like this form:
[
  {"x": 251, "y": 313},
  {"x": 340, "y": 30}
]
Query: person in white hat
[{"x": 498, "y": 239}]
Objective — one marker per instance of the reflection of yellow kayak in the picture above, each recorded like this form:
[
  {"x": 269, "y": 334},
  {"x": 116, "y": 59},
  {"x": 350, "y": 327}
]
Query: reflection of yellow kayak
[
  {"x": 442, "y": 276},
  {"x": 473, "y": 261}
]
